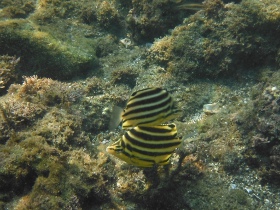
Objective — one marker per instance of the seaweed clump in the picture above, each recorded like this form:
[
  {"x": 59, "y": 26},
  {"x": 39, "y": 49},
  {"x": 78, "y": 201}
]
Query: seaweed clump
[
  {"x": 8, "y": 73},
  {"x": 51, "y": 56},
  {"x": 17, "y": 8},
  {"x": 125, "y": 76},
  {"x": 261, "y": 123},
  {"x": 43, "y": 147},
  {"x": 221, "y": 40},
  {"x": 107, "y": 15},
  {"x": 45, "y": 177},
  {"x": 148, "y": 20}
]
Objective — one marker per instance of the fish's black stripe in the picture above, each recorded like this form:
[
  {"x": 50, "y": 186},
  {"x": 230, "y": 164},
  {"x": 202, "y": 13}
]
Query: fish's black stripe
[
  {"x": 118, "y": 149},
  {"x": 151, "y": 115},
  {"x": 173, "y": 112},
  {"x": 133, "y": 142},
  {"x": 147, "y": 92},
  {"x": 147, "y": 108},
  {"x": 145, "y": 159},
  {"x": 140, "y": 158},
  {"x": 149, "y": 100},
  {"x": 149, "y": 137},
  {"x": 157, "y": 129},
  {"x": 164, "y": 161},
  {"x": 122, "y": 143},
  {"x": 140, "y": 123},
  {"x": 126, "y": 154},
  {"x": 152, "y": 154},
  {"x": 129, "y": 147}
]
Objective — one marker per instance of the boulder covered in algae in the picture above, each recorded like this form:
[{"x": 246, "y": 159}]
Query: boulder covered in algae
[
  {"x": 41, "y": 52},
  {"x": 8, "y": 72},
  {"x": 66, "y": 38},
  {"x": 44, "y": 146},
  {"x": 51, "y": 37},
  {"x": 223, "y": 39}
]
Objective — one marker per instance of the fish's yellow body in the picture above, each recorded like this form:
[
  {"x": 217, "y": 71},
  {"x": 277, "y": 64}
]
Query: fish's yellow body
[
  {"x": 148, "y": 107},
  {"x": 146, "y": 146}
]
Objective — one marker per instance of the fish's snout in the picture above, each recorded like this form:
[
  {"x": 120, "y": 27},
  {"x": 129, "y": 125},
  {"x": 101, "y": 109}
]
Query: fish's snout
[{"x": 110, "y": 150}]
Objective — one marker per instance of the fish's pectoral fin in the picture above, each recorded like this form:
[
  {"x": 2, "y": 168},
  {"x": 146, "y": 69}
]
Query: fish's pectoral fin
[{"x": 115, "y": 119}]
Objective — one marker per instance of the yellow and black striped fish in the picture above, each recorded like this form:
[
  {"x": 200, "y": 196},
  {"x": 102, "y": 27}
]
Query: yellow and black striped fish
[
  {"x": 146, "y": 146},
  {"x": 149, "y": 107}
]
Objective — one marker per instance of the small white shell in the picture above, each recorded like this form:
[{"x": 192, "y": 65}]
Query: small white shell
[
  {"x": 210, "y": 108},
  {"x": 126, "y": 42}
]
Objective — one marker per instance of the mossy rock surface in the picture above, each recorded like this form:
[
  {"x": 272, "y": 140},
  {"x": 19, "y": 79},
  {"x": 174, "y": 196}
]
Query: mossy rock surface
[
  {"x": 221, "y": 40},
  {"x": 43, "y": 54}
]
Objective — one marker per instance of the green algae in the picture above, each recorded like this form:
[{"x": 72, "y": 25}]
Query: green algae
[
  {"x": 39, "y": 158},
  {"x": 148, "y": 20},
  {"x": 221, "y": 40},
  {"x": 8, "y": 72},
  {"x": 221, "y": 198},
  {"x": 56, "y": 37},
  {"x": 17, "y": 8},
  {"x": 48, "y": 53}
]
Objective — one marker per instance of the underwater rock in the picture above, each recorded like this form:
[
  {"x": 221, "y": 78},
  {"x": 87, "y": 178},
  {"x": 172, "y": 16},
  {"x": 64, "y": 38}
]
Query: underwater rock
[
  {"x": 148, "y": 20},
  {"x": 51, "y": 57},
  {"x": 16, "y": 8},
  {"x": 265, "y": 131},
  {"x": 8, "y": 73},
  {"x": 107, "y": 15},
  {"x": 193, "y": 50}
]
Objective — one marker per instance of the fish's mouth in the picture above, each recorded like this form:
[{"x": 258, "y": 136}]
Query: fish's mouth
[
  {"x": 110, "y": 150},
  {"x": 113, "y": 150}
]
